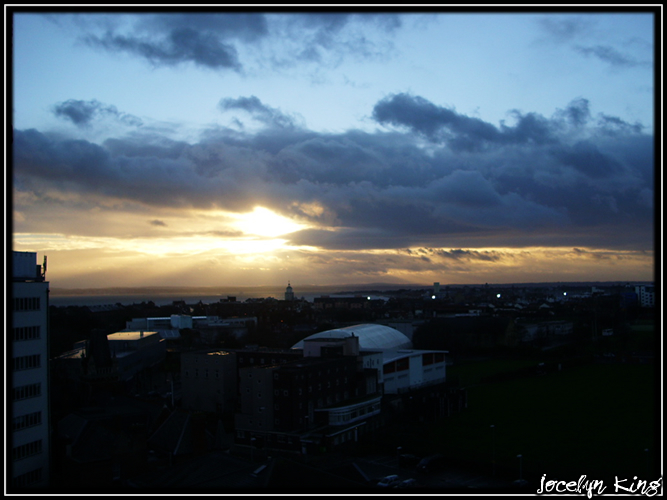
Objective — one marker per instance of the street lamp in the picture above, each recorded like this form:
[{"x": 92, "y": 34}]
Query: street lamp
[
  {"x": 252, "y": 449},
  {"x": 520, "y": 476}
]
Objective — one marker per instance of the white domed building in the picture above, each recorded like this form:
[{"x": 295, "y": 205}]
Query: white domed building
[
  {"x": 371, "y": 337},
  {"x": 403, "y": 368}
]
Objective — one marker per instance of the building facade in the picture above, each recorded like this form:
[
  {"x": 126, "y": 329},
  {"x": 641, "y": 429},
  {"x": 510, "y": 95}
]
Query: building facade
[
  {"x": 323, "y": 399},
  {"x": 30, "y": 425},
  {"x": 209, "y": 381},
  {"x": 645, "y": 295}
]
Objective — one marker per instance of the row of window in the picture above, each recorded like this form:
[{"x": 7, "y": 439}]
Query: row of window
[
  {"x": 27, "y": 304},
  {"x": 187, "y": 373},
  {"x": 28, "y": 479},
  {"x": 25, "y": 421},
  {"x": 26, "y": 392},
  {"x": 26, "y": 333},
  {"x": 27, "y": 450},
  {"x": 27, "y": 362}
]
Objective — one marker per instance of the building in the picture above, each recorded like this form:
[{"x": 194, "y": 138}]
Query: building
[
  {"x": 645, "y": 295},
  {"x": 209, "y": 381},
  {"x": 29, "y": 381},
  {"x": 289, "y": 293},
  {"x": 408, "y": 377},
  {"x": 326, "y": 398},
  {"x": 371, "y": 336},
  {"x": 115, "y": 357},
  {"x": 209, "y": 378},
  {"x": 133, "y": 352}
]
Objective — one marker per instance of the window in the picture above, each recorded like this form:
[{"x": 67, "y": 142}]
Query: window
[
  {"x": 27, "y": 362},
  {"x": 27, "y": 391},
  {"x": 26, "y": 304},
  {"x": 30, "y": 477},
  {"x": 25, "y": 421},
  {"x": 27, "y": 450},
  {"x": 26, "y": 333}
]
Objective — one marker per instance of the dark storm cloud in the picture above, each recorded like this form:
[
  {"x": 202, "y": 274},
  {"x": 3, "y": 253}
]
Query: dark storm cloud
[
  {"x": 176, "y": 47},
  {"x": 612, "y": 56},
  {"x": 258, "y": 110},
  {"x": 82, "y": 113},
  {"x": 440, "y": 124},
  {"x": 145, "y": 145},
  {"x": 569, "y": 179},
  {"x": 241, "y": 26},
  {"x": 211, "y": 40}
]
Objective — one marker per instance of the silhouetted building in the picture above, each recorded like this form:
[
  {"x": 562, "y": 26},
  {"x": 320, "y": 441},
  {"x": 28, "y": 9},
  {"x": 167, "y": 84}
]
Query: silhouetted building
[
  {"x": 289, "y": 293},
  {"x": 320, "y": 401},
  {"x": 209, "y": 381}
]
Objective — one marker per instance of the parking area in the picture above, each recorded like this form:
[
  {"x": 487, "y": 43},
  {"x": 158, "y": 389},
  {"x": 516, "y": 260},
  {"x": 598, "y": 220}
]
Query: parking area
[{"x": 379, "y": 466}]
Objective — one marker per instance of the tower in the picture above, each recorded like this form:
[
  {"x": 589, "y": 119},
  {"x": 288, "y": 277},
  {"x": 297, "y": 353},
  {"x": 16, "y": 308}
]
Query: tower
[{"x": 289, "y": 293}]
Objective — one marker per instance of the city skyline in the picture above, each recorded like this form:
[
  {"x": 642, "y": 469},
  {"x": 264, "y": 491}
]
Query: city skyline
[{"x": 239, "y": 149}]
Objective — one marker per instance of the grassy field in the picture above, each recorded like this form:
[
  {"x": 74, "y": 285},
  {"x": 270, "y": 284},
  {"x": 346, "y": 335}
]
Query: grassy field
[{"x": 594, "y": 419}]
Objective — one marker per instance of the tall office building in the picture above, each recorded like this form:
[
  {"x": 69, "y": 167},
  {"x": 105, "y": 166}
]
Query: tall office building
[{"x": 29, "y": 396}]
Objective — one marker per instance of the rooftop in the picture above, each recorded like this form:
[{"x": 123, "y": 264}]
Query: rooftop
[
  {"x": 371, "y": 336},
  {"x": 130, "y": 335}
]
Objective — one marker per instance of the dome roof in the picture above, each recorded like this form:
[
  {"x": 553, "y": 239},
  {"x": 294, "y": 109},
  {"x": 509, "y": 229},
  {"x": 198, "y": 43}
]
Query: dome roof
[{"x": 378, "y": 337}]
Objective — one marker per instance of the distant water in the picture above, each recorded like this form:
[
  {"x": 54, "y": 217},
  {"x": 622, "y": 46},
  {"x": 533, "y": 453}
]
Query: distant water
[
  {"x": 165, "y": 299},
  {"x": 125, "y": 300}
]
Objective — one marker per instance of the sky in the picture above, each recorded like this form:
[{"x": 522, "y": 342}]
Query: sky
[{"x": 198, "y": 148}]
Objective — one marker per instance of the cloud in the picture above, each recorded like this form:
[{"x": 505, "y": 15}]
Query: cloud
[
  {"x": 83, "y": 113},
  {"x": 573, "y": 178},
  {"x": 261, "y": 112},
  {"x": 564, "y": 28},
  {"x": 612, "y": 56},
  {"x": 176, "y": 47},
  {"x": 157, "y": 222},
  {"x": 461, "y": 132},
  {"x": 237, "y": 41}
]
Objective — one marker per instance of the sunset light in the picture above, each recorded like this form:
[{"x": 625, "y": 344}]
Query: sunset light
[{"x": 264, "y": 222}]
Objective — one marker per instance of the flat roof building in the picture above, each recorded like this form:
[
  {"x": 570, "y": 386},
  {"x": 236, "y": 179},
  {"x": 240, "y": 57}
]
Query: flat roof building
[{"x": 29, "y": 378}]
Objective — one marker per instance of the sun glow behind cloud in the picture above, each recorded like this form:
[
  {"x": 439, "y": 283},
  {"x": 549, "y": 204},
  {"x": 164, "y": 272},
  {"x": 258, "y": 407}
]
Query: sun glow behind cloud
[{"x": 264, "y": 222}]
